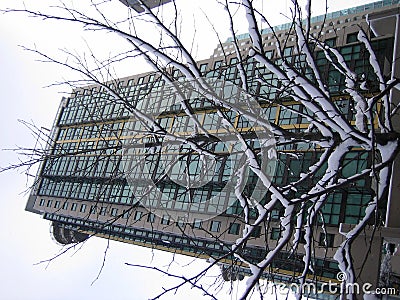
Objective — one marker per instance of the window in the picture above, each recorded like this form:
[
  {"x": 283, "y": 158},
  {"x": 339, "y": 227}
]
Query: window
[
  {"x": 211, "y": 121},
  {"x": 233, "y": 61},
  {"x": 269, "y": 54},
  {"x": 287, "y": 51},
  {"x": 326, "y": 239},
  {"x": 49, "y": 202},
  {"x": 181, "y": 222},
  {"x": 275, "y": 214},
  {"x": 256, "y": 232},
  {"x": 353, "y": 54},
  {"x": 126, "y": 214},
  {"x": 180, "y": 122},
  {"x": 138, "y": 215},
  {"x": 235, "y": 208},
  {"x": 288, "y": 115},
  {"x": 353, "y": 163},
  {"x": 93, "y": 209},
  {"x": 299, "y": 165},
  {"x": 234, "y": 228},
  {"x": 331, "y": 209},
  {"x": 65, "y": 205},
  {"x": 151, "y": 217},
  {"x": 176, "y": 74},
  {"x": 355, "y": 206},
  {"x": 197, "y": 223},
  {"x": 351, "y": 38},
  {"x": 217, "y": 64},
  {"x": 275, "y": 233},
  {"x": 165, "y": 220},
  {"x": 331, "y": 42},
  {"x": 215, "y": 226},
  {"x": 344, "y": 107},
  {"x": 114, "y": 212},
  {"x": 74, "y": 206},
  {"x": 243, "y": 122},
  {"x": 103, "y": 211},
  {"x": 57, "y": 204},
  {"x": 270, "y": 113},
  {"x": 42, "y": 201},
  {"x": 203, "y": 68},
  {"x": 83, "y": 208}
]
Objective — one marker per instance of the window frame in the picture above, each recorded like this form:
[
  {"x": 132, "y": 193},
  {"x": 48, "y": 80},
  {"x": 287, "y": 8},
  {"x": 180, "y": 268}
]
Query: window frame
[
  {"x": 234, "y": 228},
  {"x": 215, "y": 226}
]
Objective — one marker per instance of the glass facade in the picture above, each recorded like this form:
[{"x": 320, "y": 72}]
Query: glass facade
[{"x": 87, "y": 161}]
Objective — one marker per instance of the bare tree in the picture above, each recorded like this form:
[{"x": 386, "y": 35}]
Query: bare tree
[{"x": 334, "y": 132}]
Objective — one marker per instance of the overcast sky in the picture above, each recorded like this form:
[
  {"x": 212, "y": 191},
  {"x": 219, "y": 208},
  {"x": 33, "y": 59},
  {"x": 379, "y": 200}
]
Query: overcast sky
[{"x": 24, "y": 236}]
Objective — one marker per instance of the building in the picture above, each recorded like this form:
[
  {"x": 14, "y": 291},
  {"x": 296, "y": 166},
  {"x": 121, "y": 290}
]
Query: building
[
  {"x": 136, "y": 5},
  {"x": 82, "y": 188}
]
